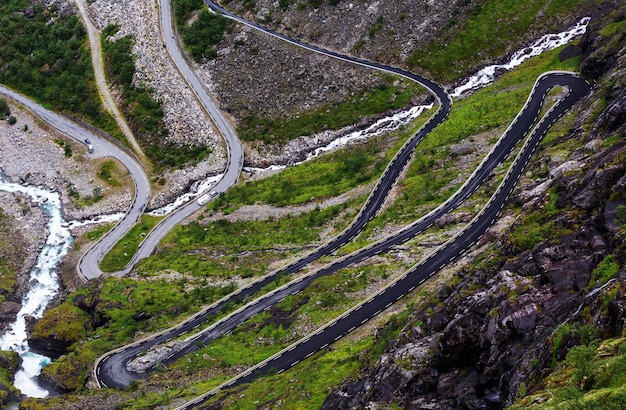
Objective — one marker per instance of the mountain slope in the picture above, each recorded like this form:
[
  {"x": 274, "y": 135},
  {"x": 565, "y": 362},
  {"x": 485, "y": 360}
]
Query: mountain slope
[{"x": 493, "y": 333}]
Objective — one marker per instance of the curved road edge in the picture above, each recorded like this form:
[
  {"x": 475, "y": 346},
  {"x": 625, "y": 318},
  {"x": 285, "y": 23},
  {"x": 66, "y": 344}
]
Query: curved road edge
[
  {"x": 428, "y": 266},
  {"x": 235, "y": 151},
  {"x": 367, "y": 212},
  {"x": 87, "y": 267}
]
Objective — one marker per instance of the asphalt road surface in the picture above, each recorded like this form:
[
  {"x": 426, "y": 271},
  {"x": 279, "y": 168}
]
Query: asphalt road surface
[
  {"x": 430, "y": 265},
  {"x": 88, "y": 266},
  {"x": 111, "y": 369},
  {"x": 234, "y": 147}
]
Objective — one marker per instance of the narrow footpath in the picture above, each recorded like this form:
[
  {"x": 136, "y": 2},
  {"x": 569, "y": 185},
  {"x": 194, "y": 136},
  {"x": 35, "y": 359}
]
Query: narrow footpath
[{"x": 101, "y": 82}]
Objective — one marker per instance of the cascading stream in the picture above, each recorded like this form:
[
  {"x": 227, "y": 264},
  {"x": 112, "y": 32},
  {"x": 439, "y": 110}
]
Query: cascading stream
[{"x": 43, "y": 286}]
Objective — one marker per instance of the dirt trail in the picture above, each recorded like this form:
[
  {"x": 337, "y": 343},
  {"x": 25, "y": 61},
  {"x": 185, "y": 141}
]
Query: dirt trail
[{"x": 98, "y": 67}]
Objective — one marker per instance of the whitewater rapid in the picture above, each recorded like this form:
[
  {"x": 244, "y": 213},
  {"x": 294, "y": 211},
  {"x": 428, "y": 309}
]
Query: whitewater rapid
[
  {"x": 547, "y": 42},
  {"x": 43, "y": 286}
]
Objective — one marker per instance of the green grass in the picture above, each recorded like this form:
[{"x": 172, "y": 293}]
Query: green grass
[
  {"x": 605, "y": 271},
  {"x": 334, "y": 116},
  {"x": 8, "y": 277},
  {"x": 9, "y": 363},
  {"x": 10, "y": 258},
  {"x": 106, "y": 173},
  {"x": 121, "y": 253},
  {"x": 115, "y": 301},
  {"x": 260, "y": 337},
  {"x": 467, "y": 41},
  {"x": 98, "y": 232},
  {"x": 593, "y": 376},
  {"x": 538, "y": 226},
  {"x": 238, "y": 248},
  {"x": 326, "y": 177},
  {"x": 311, "y": 389}
]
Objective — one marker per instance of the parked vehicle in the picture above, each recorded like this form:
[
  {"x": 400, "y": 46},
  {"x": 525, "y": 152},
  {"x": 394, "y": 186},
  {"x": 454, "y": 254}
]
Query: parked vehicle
[{"x": 204, "y": 199}]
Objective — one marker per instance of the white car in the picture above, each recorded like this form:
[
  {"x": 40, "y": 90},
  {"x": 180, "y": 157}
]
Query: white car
[{"x": 204, "y": 199}]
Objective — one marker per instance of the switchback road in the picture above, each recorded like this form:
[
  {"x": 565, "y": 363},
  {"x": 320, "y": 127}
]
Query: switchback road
[
  {"x": 111, "y": 368},
  {"x": 234, "y": 147},
  {"x": 373, "y": 305}
]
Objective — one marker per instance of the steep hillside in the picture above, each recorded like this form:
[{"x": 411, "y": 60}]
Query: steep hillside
[
  {"x": 553, "y": 280},
  {"x": 444, "y": 40},
  {"x": 486, "y": 334}
]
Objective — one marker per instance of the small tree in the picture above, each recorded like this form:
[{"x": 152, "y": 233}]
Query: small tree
[
  {"x": 581, "y": 358},
  {"x": 4, "y": 108},
  {"x": 12, "y": 120}
]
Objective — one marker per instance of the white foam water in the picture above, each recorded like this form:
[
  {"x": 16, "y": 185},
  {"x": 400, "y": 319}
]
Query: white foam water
[
  {"x": 548, "y": 42},
  {"x": 43, "y": 286},
  {"x": 100, "y": 219},
  {"x": 383, "y": 125},
  {"x": 196, "y": 189}
]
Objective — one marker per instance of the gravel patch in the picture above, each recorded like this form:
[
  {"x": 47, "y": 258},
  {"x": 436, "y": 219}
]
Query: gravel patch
[{"x": 29, "y": 154}]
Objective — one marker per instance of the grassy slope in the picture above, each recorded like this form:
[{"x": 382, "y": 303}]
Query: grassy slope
[
  {"x": 325, "y": 299},
  {"x": 126, "y": 296},
  {"x": 467, "y": 41}
]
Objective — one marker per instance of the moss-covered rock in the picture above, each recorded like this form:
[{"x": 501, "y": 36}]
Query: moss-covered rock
[{"x": 9, "y": 362}]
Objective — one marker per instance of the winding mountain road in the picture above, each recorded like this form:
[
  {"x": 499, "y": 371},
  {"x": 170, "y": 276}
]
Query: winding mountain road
[
  {"x": 88, "y": 266},
  {"x": 234, "y": 147},
  {"x": 111, "y": 369},
  {"x": 436, "y": 260}
]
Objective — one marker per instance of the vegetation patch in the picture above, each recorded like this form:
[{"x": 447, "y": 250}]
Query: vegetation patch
[
  {"x": 326, "y": 177},
  {"x": 10, "y": 257},
  {"x": 224, "y": 249},
  {"x": 121, "y": 253},
  {"x": 83, "y": 201},
  {"x": 98, "y": 232},
  {"x": 5, "y": 110},
  {"x": 67, "y": 148},
  {"x": 144, "y": 113},
  {"x": 43, "y": 54},
  {"x": 206, "y": 30},
  {"x": 333, "y": 116},
  {"x": 592, "y": 376},
  {"x": 467, "y": 41},
  {"x": 605, "y": 271},
  {"x": 105, "y": 316},
  {"x": 9, "y": 363}
]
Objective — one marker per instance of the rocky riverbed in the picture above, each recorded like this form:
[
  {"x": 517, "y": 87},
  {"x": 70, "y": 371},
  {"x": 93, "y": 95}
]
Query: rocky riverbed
[{"x": 32, "y": 153}]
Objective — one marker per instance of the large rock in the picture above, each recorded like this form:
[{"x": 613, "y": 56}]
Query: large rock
[{"x": 8, "y": 312}]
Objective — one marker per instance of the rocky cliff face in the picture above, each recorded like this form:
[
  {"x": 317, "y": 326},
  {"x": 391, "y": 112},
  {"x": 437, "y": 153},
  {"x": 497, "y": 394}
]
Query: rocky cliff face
[{"x": 491, "y": 335}]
